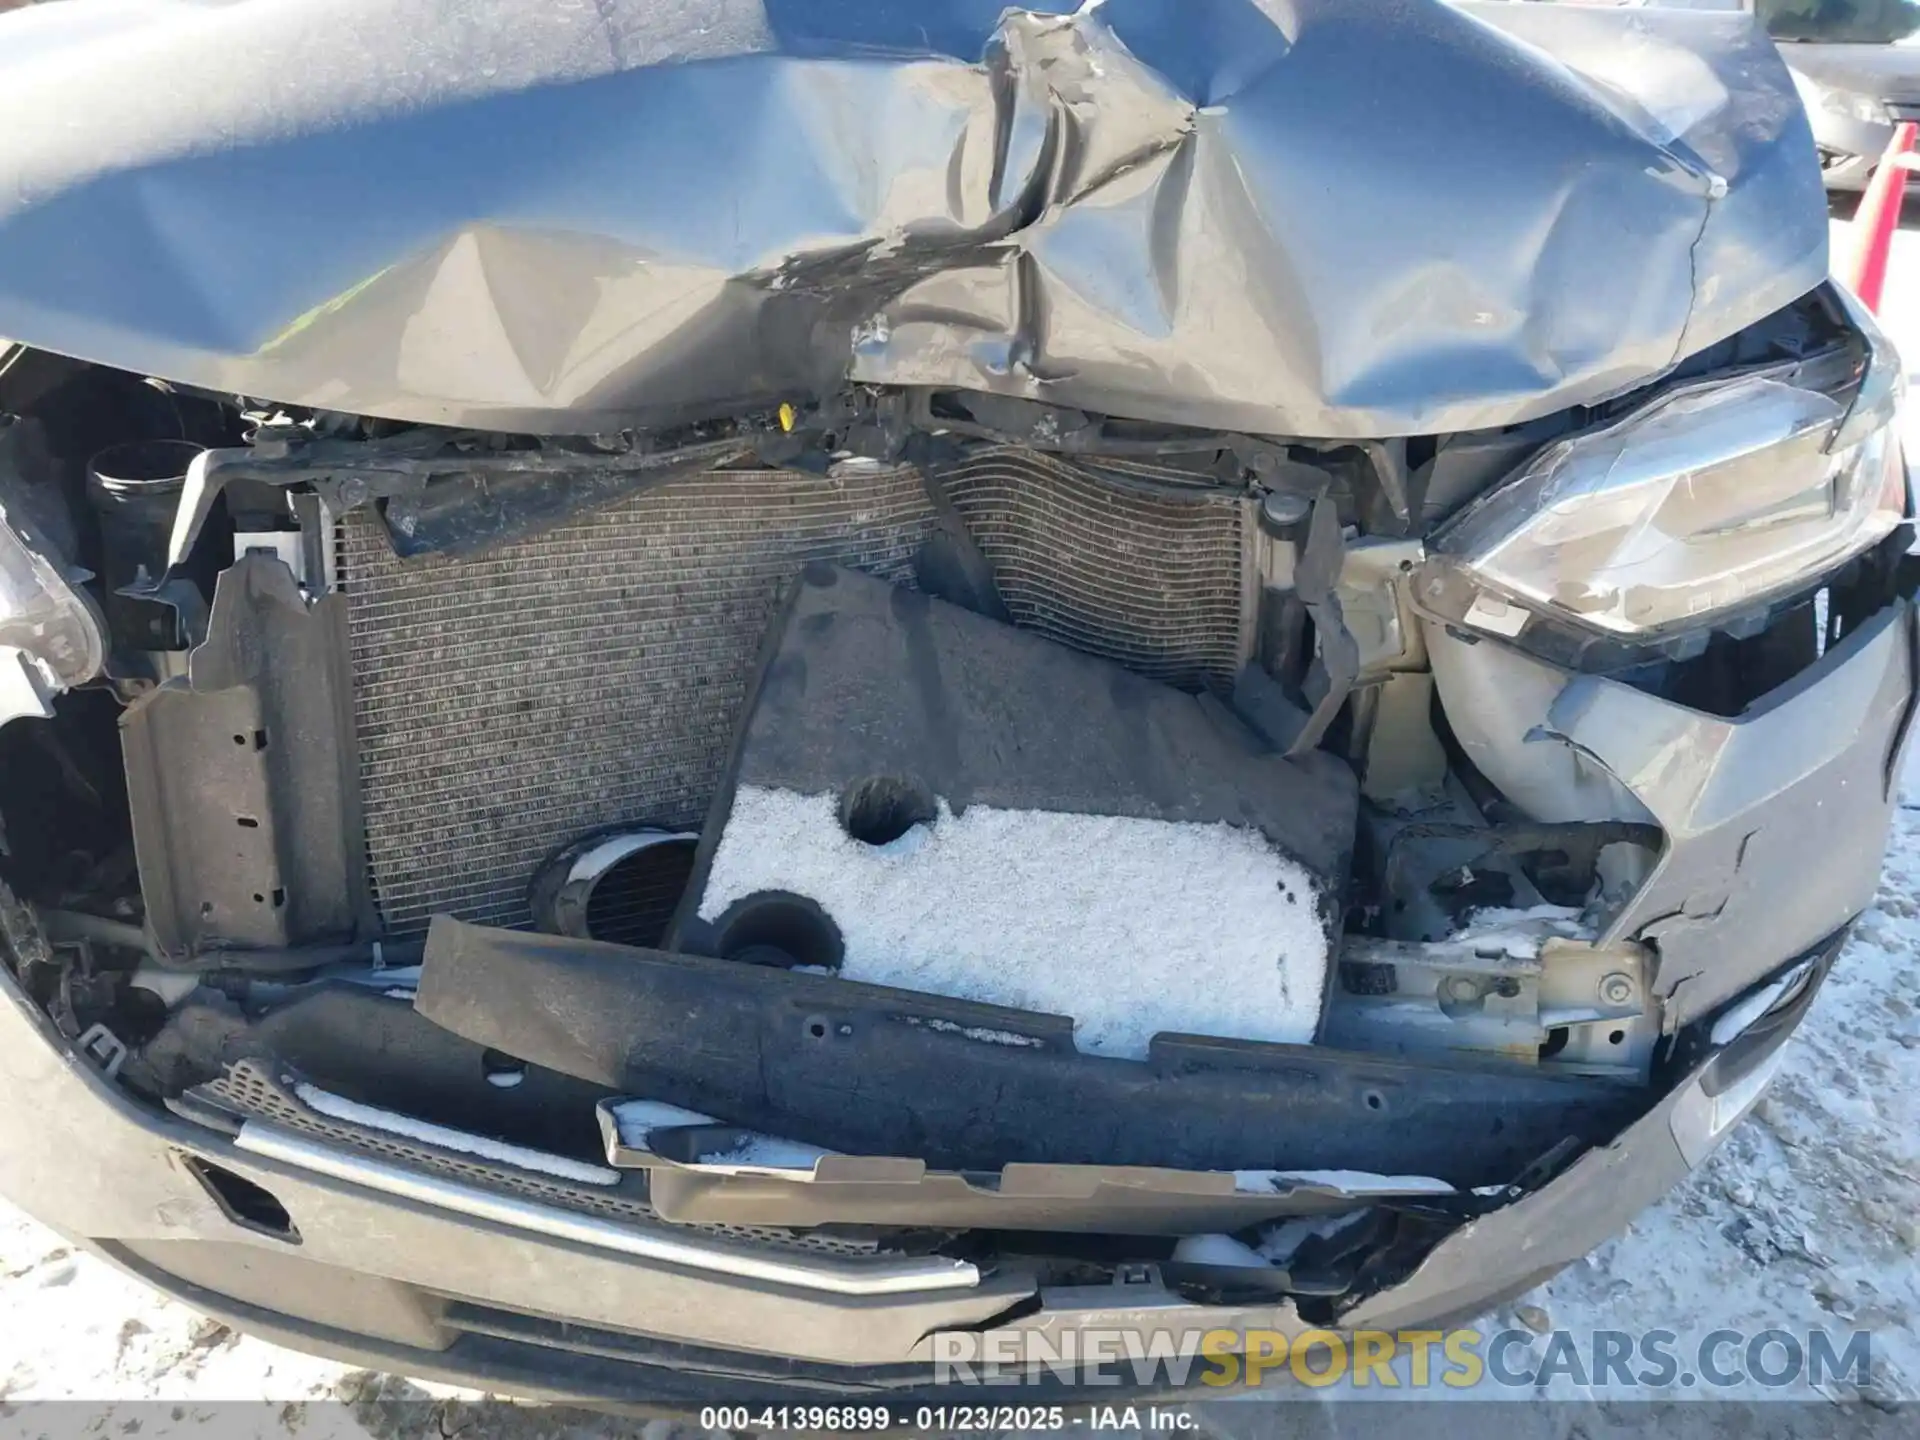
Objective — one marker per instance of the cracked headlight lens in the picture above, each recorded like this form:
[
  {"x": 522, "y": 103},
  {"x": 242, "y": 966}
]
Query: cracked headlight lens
[
  {"x": 1703, "y": 503},
  {"x": 51, "y": 636}
]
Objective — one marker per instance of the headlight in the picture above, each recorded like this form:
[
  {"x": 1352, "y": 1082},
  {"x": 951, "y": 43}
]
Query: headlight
[
  {"x": 1706, "y": 502},
  {"x": 1856, "y": 106},
  {"x": 51, "y": 636}
]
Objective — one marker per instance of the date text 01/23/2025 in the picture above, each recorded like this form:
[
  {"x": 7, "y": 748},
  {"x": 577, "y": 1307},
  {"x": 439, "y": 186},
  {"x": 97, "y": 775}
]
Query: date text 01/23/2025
[{"x": 855, "y": 1419}]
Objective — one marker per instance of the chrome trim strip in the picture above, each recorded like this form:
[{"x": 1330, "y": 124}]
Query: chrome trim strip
[{"x": 902, "y": 1276}]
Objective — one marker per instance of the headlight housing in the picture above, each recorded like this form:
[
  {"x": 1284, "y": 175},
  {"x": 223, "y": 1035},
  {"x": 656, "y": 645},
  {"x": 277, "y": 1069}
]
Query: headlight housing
[
  {"x": 51, "y": 634},
  {"x": 1699, "y": 507}
]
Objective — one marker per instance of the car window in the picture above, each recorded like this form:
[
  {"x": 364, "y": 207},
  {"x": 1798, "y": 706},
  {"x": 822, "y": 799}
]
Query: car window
[{"x": 1847, "y": 22}]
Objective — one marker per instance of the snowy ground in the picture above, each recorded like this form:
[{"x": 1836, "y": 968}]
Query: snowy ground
[{"x": 1809, "y": 1217}]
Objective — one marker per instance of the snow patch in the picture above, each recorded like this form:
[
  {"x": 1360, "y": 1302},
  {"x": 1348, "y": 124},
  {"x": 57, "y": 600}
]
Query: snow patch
[
  {"x": 975, "y": 1032},
  {"x": 1278, "y": 1244},
  {"x": 636, "y": 1120},
  {"x": 1131, "y": 927},
  {"x": 1519, "y": 934},
  {"x": 478, "y": 1146},
  {"x": 1219, "y": 1250},
  {"x": 765, "y": 1152},
  {"x": 1348, "y": 1182}
]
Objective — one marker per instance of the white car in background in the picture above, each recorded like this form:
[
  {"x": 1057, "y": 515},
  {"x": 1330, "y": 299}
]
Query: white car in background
[{"x": 1856, "y": 64}]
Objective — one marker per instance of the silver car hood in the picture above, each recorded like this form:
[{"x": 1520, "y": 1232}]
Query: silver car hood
[{"x": 1335, "y": 218}]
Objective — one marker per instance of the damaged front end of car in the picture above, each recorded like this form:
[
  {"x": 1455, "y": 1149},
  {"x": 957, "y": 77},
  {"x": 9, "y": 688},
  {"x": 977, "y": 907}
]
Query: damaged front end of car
[{"x": 778, "y": 690}]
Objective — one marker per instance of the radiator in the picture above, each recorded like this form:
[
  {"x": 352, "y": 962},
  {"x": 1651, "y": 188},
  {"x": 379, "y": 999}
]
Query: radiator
[{"x": 591, "y": 675}]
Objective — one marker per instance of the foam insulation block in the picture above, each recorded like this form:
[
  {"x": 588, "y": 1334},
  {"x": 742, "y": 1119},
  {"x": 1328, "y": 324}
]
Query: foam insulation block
[{"x": 928, "y": 799}]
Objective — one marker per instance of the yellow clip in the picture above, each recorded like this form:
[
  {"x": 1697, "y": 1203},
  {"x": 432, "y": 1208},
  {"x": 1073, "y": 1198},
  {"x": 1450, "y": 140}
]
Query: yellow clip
[{"x": 787, "y": 416}]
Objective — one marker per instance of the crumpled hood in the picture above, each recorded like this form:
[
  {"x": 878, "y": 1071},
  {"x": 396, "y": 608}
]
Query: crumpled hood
[{"x": 1333, "y": 218}]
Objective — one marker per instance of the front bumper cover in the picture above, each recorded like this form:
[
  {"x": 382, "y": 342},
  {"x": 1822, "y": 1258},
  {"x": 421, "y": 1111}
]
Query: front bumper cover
[{"x": 398, "y": 1283}]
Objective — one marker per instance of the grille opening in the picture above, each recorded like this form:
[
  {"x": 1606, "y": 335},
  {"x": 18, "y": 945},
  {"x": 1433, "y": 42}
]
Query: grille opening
[
  {"x": 250, "y": 1089},
  {"x": 633, "y": 903},
  {"x": 250, "y": 1206}
]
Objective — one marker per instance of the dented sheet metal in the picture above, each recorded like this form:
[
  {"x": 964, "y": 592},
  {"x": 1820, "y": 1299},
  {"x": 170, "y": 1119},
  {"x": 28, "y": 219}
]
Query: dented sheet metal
[
  {"x": 1591, "y": 1200},
  {"x": 1775, "y": 820},
  {"x": 1336, "y": 218}
]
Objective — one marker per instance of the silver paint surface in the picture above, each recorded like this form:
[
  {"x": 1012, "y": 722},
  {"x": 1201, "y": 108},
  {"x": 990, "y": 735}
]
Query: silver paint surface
[
  {"x": 1334, "y": 218},
  {"x": 1775, "y": 819}
]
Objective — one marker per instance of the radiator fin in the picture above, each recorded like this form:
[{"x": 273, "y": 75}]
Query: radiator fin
[
  {"x": 591, "y": 675},
  {"x": 588, "y": 676},
  {"x": 1147, "y": 575}
]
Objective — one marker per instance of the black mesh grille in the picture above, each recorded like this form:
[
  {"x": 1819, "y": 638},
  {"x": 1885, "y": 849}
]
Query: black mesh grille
[
  {"x": 249, "y": 1090},
  {"x": 634, "y": 901}
]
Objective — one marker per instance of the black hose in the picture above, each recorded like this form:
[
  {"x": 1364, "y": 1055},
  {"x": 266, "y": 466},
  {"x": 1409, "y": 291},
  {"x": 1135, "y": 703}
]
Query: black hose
[
  {"x": 306, "y": 957},
  {"x": 71, "y": 925}
]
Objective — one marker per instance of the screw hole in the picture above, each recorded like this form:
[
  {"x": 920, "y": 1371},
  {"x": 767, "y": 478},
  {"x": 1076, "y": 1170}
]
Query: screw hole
[
  {"x": 1618, "y": 1037},
  {"x": 1375, "y": 1100},
  {"x": 817, "y": 1028},
  {"x": 258, "y": 898},
  {"x": 246, "y": 822}
]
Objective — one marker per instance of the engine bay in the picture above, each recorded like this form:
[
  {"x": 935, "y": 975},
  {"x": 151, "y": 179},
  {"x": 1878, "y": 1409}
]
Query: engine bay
[{"x": 917, "y": 821}]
